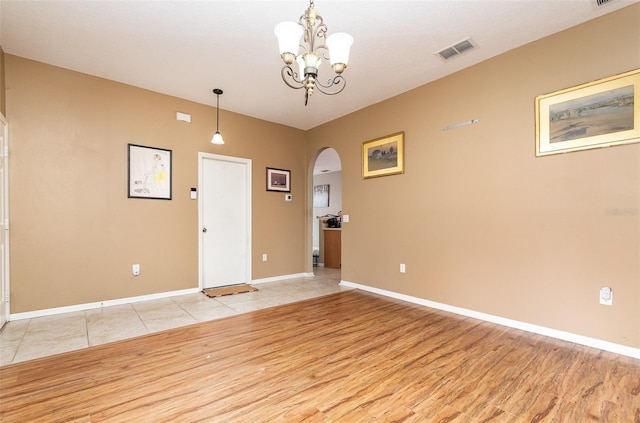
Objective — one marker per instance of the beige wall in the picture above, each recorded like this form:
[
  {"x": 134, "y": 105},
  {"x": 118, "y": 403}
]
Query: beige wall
[
  {"x": 74, "y": 232},
  {"x": 480, "y": 222}
]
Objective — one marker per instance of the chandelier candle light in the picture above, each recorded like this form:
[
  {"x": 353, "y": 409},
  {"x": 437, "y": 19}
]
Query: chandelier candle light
[{"x": 314, "y": 30}]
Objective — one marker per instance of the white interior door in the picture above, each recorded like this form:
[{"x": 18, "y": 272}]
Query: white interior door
[
  {"x": 225, "y": 220},
  {"x": 4, "y": 223}
]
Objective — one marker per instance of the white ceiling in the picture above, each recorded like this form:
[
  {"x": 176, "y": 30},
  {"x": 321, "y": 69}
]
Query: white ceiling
[{"x": 187, "y": 48}]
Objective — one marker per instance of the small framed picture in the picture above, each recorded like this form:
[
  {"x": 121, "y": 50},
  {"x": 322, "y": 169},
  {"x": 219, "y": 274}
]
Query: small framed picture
[
  {"x": 383, "y": 156},
  {"x": 149, "y": 172},
  {"x": 278, "y": 180}
]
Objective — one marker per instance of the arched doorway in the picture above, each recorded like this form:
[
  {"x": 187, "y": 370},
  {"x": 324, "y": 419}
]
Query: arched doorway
[{"x": 326, "y": 206}]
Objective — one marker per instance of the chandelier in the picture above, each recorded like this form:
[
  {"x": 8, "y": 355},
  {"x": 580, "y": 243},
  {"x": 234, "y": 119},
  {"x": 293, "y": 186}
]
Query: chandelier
[{"x": 335, "y": 48}]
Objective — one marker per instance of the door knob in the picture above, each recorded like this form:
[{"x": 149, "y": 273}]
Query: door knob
[{"x": 204, "y": 229}]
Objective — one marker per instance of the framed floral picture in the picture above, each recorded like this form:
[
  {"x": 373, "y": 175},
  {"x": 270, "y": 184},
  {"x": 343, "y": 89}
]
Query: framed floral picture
[{"x": 149, "y": 172}]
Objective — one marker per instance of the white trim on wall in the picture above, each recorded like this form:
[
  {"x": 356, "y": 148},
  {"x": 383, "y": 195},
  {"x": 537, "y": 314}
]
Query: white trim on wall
[
  {"x": 5, "y": 277},
  {"x": 98, "y": 304},
  {"x": 129, "y": 300},
  {"x": 281, "y": 278},
  {"x": 540, "y": 330}
]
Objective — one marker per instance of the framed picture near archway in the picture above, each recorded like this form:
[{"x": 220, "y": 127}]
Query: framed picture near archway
[
  {"x": 383, "y": 156},
  {"x": 278, "y": 180},
  {"x": 321, "y": 196},
  {"x": 597, "y": 114}
]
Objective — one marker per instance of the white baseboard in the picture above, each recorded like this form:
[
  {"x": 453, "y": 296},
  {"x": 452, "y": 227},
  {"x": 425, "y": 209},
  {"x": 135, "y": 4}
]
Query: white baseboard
[
  {"x": 540, "y": 330},
  {"x": 120, "y": 301},
  {"x": 98, "y": 304},
  {"x": 282, "y": 278}
]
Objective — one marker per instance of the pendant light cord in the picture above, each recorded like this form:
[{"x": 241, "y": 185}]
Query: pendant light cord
[{"x": 217, "y": 112}]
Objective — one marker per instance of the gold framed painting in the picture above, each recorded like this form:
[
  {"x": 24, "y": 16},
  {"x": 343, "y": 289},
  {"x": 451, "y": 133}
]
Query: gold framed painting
[
  {"x": 597, "y": 114},
  {"x": 383, "y": 156}
]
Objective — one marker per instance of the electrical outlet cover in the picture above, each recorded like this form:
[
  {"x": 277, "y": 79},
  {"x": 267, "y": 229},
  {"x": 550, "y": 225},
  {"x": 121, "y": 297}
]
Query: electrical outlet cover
[{"x": 606, "y": 296}]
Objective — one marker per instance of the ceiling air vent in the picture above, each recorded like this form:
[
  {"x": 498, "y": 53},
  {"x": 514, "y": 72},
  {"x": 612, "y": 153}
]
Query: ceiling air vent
[
  {"x": 600, "y": 3},
  {"x": 460, "y": 48}
]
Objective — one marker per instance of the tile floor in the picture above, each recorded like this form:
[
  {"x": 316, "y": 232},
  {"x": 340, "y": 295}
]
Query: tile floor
[{"x": 28, "y": 339}]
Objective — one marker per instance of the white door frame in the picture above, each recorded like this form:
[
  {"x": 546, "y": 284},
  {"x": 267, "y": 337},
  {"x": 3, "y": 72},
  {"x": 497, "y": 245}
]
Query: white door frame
[
  {"x": 4, "y": 226},
  {"x": 247, "y": 162}
]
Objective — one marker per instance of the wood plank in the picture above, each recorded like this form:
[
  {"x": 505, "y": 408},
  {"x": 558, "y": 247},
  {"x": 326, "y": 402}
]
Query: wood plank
[{"x": 347, "y": 357}]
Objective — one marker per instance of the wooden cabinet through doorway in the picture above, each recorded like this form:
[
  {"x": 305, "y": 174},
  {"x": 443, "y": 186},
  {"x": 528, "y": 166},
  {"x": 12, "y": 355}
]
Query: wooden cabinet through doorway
[{"x": 332, "y": 248}]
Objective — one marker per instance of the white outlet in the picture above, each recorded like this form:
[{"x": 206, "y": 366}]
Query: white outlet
[
  {"x": 403, "y": 268},
  {"x": 606, "y": 295},
  {"x": 264, "y": 257},
  {"x": 135, "y": 270},
  {"x": 345, "y": 218}
]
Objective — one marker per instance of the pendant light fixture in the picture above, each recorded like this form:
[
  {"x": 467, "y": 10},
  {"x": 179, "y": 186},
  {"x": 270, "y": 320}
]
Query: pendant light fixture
[
  {"x": 217, "y": 137},
  {"x": 311, "y": 28}
]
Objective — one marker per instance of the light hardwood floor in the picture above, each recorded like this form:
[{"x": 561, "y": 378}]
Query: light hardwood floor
[
  {"x": 22, "y": 340},
  {"x": 346, "y": 357}
]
